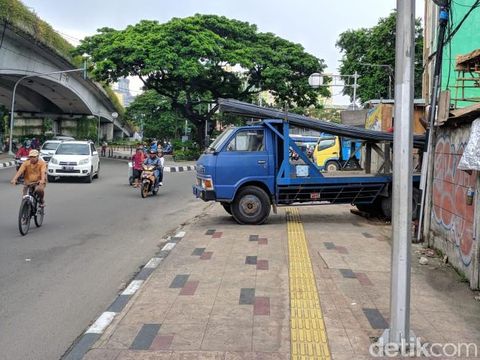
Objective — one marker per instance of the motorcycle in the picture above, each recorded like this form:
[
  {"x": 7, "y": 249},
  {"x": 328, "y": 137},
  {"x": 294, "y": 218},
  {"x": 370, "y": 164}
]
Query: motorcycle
[
  {"x": 148, "y": 181},
  {"x": 18, "y": 162}
]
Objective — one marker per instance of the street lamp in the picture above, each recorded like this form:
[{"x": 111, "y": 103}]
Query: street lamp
[
  {"x": 12, "y": 111},
  {"x": 316, "y": 80},
  {"x": 389, "y": 69}
]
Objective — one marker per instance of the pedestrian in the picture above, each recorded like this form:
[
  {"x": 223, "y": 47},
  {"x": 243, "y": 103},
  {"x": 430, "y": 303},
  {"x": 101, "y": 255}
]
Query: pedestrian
[
  {"x": 104, "y": 148},
  {"x": 137, "y": 161}
]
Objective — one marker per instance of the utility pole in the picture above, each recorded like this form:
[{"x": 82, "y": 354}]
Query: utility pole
[
  {"x": 399, "y": 331},
  {"x": 355, "y": 85}
]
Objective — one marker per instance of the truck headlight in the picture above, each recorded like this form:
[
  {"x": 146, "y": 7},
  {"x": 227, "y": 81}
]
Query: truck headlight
[
  {"x": 54, "y": 161},
  {"x": 84, "y": 161},
  {"x": 207, "y": 184}
]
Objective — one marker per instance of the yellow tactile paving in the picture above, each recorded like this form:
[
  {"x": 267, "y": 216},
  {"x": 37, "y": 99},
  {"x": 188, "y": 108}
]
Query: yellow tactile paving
[{"x": 307, "y": 329}]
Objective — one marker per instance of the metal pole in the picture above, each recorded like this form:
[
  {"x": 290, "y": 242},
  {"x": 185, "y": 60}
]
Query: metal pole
[
  {"x": 13, "y": 98},
  {"x": 389, "y": 84},
  {"x": 399, "y": 331},
  {"x": 355, "y": 76},
  {"x": 98, "y": 131}
]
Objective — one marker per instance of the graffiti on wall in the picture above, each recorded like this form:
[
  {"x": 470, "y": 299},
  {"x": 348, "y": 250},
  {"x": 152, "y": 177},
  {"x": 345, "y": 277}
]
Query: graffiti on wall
[{"x": 453, "y": 218}]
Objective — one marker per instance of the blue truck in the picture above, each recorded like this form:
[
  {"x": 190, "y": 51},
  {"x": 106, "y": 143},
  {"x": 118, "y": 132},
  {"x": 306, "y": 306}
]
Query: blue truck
[{"x": 248, "y": 168}]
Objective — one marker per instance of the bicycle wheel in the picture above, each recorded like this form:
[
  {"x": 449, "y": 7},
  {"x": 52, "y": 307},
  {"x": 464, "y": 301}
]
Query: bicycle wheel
[
  {"x": 24, "y": 216},
  {"x": 39, "y": 216}
]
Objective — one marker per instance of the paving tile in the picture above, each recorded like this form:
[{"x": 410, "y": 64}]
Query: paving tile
[
  {"x": 251, "y": 260},
  {"x": 261, "y": 305},
  {"x": 217, "y": 235},
  {"x": 198, "y": 355},
  {"x": 162, "y": 342},
  {"x": 329, "y": 245},
  {"x": 341, "y": 249},
  {"x": 210, "y": 232},
  {"x": 179, "y": 281},
  {"x": 102, "y": 354},
  {"x": 247, "y": 296},
  {"x": 262, "y": 264},
  {"x": 363, "y": 279},
  {"x": 189, "y": 288},
  {"x": 228, "y": 338},
  {"x": 198, "y": 251},
  {"x": 207, "y": 255},
  {"x": 145, "y": 336},
  {"x": 367, "y": 235},
  {"x": 241, "y": 355},
  {"x": 188, "y": 337},
  {"x": 144, "y": 355},
  {"x": 347, "y": 273},
  {"x": 375, "y": 318},
  {"x": 253, "y": 238},
  {"x": 262, "y": 241}
]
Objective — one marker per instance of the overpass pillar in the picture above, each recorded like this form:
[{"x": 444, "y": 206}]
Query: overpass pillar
[{"x": 107, "y": 131}]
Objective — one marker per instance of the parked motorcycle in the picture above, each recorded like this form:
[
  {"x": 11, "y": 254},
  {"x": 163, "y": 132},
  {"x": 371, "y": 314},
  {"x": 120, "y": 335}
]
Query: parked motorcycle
[{"x": 148, "y": 181}]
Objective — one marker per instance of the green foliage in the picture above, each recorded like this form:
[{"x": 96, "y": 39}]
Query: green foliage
[
  {"x": 185, "y": 151},
  {"x": 17, "y": 14},
  {"x": 195, "y": 60},
  {"x": 376, "y": 45},
  {"x": 155, "y": 112},
  {"x": 87, "y": 129}
]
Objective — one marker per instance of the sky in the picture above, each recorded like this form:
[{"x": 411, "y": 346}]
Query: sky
[{"x": 315, "y": 24}]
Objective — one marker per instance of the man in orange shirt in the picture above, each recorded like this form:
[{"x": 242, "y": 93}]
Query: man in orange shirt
[{"x": 34, "y": 171}]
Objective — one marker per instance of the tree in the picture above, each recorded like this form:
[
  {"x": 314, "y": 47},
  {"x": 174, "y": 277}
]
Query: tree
[
  {"x": 154, "y": 113},
  {"x": 376, "y": 46},
  {"x": 195, "y": 60}
]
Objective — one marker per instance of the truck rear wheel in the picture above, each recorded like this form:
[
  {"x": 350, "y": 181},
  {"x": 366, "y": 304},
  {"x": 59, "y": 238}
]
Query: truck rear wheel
[
  {"x": 416, "y": 198},
  {"x": 251, "y": 206}
]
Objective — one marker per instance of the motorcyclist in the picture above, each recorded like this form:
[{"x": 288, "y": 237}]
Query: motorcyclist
[
  {"x": 154, "y": 160},
  {"x": 34, "y": 171},
  {"x": 24, "y": 150}
]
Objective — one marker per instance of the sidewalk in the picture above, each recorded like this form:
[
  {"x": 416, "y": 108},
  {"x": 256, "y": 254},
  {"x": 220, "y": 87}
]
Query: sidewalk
[
  {"x": 6, "y": 160},
  {"x": 227, "y": 291}
]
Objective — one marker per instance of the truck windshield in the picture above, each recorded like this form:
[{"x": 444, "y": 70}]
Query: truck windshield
[{"x": 215, "y": 146}]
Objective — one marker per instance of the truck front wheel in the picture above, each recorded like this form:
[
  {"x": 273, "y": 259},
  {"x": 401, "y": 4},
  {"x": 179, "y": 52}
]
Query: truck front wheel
[
  {"x": 227, "y": 207},
  {"x": 332, "y": 166},
  {"x": 251, "y": 206}
]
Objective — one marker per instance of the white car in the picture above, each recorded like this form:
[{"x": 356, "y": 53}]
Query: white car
[
  {"x": 48, "y": 149},
  {"x": 74, "y": 159}
]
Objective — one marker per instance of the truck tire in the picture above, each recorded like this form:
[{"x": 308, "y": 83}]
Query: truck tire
[
  {"x": 227, "y": 207},
  {"x": 416, "y": 198},
  {"x": 332, "y": 166},
  {"x": 251, "y": 206}
]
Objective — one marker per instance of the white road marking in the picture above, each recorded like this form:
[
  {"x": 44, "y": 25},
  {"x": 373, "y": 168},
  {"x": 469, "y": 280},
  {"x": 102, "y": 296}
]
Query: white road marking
[
  {"x": 132, "y": 287},
  {"x": 168, "y": 246},
  {"x": 180, "y": 234},
  {"x": 153, "y": 263},
  {"x": 102, "y": 322}
]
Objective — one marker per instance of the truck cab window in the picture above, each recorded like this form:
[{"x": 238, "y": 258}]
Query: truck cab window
[
  {"x": 326, "y": 143},
  {"x": 251, "y": 140}
]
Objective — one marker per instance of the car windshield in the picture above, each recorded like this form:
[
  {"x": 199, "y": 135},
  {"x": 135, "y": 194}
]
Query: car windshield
[
  {"x": 73, "y": 149},
  {"x": 215, "y": 146},
  {"x": 50, "y": 146}
]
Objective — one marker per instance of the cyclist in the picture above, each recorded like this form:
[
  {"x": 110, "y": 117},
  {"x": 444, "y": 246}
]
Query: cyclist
[{"x": 34, "y": 171}]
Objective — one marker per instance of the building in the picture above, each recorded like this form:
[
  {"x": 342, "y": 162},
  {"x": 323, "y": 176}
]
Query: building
[
  {"x": 122, "y": 90},
  {"x": 452, "y": 221}
]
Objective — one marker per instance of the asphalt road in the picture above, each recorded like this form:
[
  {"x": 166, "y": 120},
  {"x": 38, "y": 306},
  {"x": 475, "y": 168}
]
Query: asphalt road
[{"x": 56, "y": 280}]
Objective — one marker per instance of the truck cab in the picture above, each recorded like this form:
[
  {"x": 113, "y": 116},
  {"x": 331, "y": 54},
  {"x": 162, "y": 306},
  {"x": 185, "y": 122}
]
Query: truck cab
[{"x": 333, "y": 153}]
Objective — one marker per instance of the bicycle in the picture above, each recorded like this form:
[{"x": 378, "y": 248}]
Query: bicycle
[{"x": 29, "y": 208}]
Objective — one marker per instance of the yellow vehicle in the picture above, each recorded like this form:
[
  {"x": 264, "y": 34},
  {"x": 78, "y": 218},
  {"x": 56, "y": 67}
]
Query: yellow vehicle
[{"x": 333, "y": 153}]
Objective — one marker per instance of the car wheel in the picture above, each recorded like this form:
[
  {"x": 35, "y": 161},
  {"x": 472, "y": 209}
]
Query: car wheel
[
  {"x": 89, "y": 177},
  {"x": 50, "y": 178},
  {"x": 251, "y": 206},
  {"x": 98, "y": 172}
]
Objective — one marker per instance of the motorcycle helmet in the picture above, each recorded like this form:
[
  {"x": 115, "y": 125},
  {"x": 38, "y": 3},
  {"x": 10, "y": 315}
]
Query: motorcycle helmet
[{"x": 28, "y": 143}]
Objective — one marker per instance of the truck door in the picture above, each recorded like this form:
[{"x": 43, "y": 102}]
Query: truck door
[{"x": 243, "y": 158}]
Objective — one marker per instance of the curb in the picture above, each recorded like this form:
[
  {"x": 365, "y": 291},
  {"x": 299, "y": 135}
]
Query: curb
[
  {"x": 7, "y": 164},
  {"x": 95, "y": 331},
  {"x": 166, "y": 168}
]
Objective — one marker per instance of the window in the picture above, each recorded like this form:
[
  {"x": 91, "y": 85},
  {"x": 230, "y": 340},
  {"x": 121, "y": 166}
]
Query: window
[
  {"x": 73, "y": 149},
  {"x": 325, "y": 144},
  {"x": 250, "y": 140}
]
